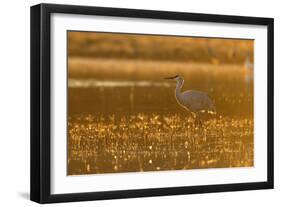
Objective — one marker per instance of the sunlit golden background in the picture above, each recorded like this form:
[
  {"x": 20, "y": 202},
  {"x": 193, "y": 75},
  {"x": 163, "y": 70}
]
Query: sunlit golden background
[{"x": 123, "y": 116}]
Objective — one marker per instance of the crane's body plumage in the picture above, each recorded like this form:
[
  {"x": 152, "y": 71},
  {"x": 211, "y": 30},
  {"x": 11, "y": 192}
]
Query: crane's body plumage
[{"x": 193, "y": 101}]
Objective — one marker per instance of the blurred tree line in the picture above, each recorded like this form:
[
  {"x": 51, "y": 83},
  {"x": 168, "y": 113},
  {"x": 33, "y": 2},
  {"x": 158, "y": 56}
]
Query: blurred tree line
[{"x": 155, "y": 47}]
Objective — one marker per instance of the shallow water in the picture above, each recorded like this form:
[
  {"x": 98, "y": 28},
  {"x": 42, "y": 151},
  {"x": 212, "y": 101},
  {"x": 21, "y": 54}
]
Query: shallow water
[
  {"x": 151, "y": 142},
  {"x": 132, "y": 126}
]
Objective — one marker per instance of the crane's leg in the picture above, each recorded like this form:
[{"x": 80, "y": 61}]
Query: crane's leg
[{"x": 197, "y": 121}]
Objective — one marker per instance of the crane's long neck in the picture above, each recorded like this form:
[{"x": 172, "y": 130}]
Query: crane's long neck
[{"x": 178, "y": 89}]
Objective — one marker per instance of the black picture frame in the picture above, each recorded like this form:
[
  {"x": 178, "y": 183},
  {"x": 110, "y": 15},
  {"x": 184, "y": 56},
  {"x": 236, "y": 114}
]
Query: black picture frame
[{"x": 41, "y": 96}]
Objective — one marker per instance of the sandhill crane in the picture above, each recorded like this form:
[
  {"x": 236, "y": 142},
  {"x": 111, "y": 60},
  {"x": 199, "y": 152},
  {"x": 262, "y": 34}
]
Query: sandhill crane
[
  {"x": 248, "y": 69},
  {"x": 193, "y": 101}
]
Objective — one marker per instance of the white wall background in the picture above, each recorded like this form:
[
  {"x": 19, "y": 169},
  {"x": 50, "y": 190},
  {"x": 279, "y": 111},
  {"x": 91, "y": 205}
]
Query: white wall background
[{"x": 14, "y": 101}]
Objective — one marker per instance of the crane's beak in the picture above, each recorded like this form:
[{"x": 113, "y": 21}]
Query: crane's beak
[{"x": 173, "y": 77}]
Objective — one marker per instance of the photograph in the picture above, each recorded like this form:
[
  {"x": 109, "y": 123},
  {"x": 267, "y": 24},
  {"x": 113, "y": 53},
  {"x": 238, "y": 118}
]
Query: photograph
[
  {"x": 148, "y": 102},
  {"x": 132, "y": 103}
]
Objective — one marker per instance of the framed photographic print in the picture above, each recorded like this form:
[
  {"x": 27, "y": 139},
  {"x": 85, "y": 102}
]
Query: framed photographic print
[{"x": 133, "y": 103}]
